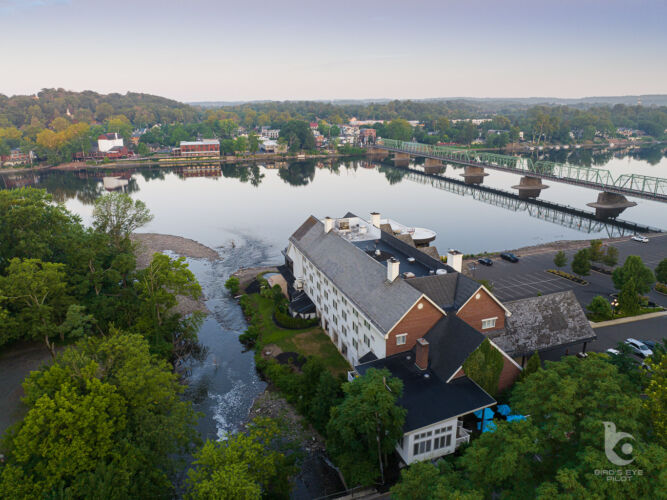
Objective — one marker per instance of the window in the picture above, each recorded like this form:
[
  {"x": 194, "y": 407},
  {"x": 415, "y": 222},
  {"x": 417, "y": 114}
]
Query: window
[
  {"x": 335, "y": 319},
  {"x": 344, "y": 315},
  {"x": 488, "y": 323},
  {"x": 326, "y": 295},
  {"x": 355, "y": 328},
  {"x": 343, "y": 330},
  {"x": 401, "y": 339},
  {"x": 335, "y": 305},
  {"x": 422, "y": 443},
  {"x": 366, "y": 324},
  {"x": 367, "y": 341},
  {"x": 355, "y": 343}
]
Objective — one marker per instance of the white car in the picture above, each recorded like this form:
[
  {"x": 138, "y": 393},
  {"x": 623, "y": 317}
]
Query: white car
[
  {"x": 639, "y": 348},
  {"x": 613, "y": 352},
  {"x": 639, "y": 238}
]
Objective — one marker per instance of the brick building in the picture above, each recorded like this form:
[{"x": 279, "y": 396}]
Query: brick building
[
  {"x": 386, "y": 301},
  {"x": 205, "y": 147}
]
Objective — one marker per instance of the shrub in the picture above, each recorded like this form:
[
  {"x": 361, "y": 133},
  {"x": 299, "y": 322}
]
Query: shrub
[
  {"x": 611, "y": 257},
  {"x": 581, "y": 263},
  {"x": 233, "y": 285},
  {"x": 600, "y": 308},
  {"x": 661, "y": 271},
  {"x": 661, "y": 288},
  {"x": 286, "y": 321},
  {"x": 560, "y": 259}
]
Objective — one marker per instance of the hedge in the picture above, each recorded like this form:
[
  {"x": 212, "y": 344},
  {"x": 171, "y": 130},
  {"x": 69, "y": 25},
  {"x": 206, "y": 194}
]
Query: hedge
[
  {"x": 568, "y": 276},
  {"x": 286, "y": 321}
]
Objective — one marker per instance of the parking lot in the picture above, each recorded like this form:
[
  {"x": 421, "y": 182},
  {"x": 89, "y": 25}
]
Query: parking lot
[{"x": 528, "y": 277}]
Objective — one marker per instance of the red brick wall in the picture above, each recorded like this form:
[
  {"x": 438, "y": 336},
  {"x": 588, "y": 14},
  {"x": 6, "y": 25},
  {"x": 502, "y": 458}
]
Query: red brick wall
[
  {"x": 509, "y": 374},
  {"x": 478, "y": 309},
  {"x": 416, "y": 323}
]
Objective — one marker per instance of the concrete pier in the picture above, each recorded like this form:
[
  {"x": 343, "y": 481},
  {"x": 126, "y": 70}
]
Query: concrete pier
[
  {"x": 530, "y": 187},
  {"x": 377, "y": 153},
  {"x": 433, "y": 166},
  {"x": 473, "y": 175},
  {"x": 401, "y": 159},
  {"x": 610, "y": 205}
]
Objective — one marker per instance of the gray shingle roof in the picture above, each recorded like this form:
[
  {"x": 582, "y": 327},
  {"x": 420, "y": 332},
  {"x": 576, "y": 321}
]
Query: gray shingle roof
[
  {"x": 358, "y": 276},
  {"x": 545, "y": 322},
  {"x": 449, "y": 291},
  {"x": 451, "y": 341}
]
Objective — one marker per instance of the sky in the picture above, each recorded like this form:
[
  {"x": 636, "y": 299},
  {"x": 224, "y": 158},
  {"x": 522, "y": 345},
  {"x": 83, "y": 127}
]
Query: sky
[{"x": 208, "y": 50}]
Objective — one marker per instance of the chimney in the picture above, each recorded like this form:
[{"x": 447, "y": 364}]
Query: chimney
[
  {"x": 421, "y": 360},
  {"x": 375, "y": 219},
  {"x": 392, "y": 269},
  {"x": 455, "y": 260},
  {"x": 328, "y": 224}
]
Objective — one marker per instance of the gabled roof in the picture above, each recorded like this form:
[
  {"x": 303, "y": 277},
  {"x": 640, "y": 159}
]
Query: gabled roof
[
  {"x": 428, "y": 399},
  {"x": 449, "y": 291},
  {"x": 451, "y": 341},
  {"x": 362, "y": 279},
  {"x": 541, "y": 323}
]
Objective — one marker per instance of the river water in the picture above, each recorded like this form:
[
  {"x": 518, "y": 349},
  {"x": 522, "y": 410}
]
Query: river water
[{"x": 247, "y": 214}]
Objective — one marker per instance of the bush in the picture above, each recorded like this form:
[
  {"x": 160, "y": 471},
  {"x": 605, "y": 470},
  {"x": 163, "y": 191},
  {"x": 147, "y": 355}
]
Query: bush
[
  {"x": 568, "y": 276},
  {"x": 600, "y": 308},
  {"x": 581, "y": 263},
  {"x": 286, "y": 321},
  {"x": 233, "y": 285},
  {"x": 661, "y": 271},
  {"x": 661, "y": 288}
]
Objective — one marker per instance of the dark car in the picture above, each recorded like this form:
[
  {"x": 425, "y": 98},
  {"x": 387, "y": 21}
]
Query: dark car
[
  {"x": 509, "y": 256},
  {"x": 485, "y": 261}
]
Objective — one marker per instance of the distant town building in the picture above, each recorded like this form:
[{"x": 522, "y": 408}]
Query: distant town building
[
  {"x": 358, "y": 123},
  {"x": 18, "y": 157},
  {"x": 106, "y": 142},
  {"x": 136, "y": 135},
  {"x": 204, "y": 147},
  {"x": 367, "y": 135},
  {"x": 270, "y": 133},
  {"x": 474, "y": 121}
]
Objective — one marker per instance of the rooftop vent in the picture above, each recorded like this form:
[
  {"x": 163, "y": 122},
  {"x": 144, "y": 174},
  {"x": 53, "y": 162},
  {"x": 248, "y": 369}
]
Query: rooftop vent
[
  {"x": 441, "y": 271},
  {"x": 427, "y": 376},
  {"x": 411, "y": 259},
  {"x": 378, "y": 253}
]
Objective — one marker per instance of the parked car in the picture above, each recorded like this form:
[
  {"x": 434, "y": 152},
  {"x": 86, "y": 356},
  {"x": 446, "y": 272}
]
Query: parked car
[
  {"x": 613, "y": 352},
  {"x": 650, "y": 344},
  {"x": 485, "y": 261},
  {"x": 639, "y": 238},
  {"x": 509, "y": 256},
  {"x": 639, "y": 348}
]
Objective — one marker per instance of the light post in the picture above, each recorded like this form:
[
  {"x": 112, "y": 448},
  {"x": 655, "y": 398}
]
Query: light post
[{"x": 614, "y": 305}]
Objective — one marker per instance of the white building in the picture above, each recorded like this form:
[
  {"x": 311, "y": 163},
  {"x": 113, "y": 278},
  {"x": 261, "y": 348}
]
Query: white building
[{"x": 106, "y": 142}]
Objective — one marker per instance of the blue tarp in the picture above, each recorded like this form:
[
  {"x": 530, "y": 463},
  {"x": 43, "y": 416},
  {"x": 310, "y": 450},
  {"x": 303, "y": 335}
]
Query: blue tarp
[
  {"x": 512, "y": 418},
  {"x": 488, "y": 414},
  {"x": 489, "y": 426},
  {"x": 504, "y": 409}
]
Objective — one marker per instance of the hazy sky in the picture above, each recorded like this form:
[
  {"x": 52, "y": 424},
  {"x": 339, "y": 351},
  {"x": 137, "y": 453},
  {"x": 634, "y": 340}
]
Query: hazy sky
[{"x": 220, "y": 50}]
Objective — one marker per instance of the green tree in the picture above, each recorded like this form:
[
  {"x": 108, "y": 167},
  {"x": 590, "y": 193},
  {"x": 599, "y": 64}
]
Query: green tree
[
  {"x": 35, "y": 295},
  {"x": 297, "y": 135},
  {"x": 484, "y": 366},
  {"x": 241, "y": 144},
  {"x": 633, "y": 269},
  {"x": 398, "y": 129},
  {"x": 600, "y": 308},
  {"x": 366, "y": 426},
  {"x": 661, "y": 271},
  {"x": 253, "y": 143},
  {"x": 656, "y": 401},
  {"x": 628, "y": 297},
  {"x": 533, "y": 365},
  {"x": 560, "y": 259},
  {"x": 106, "y": 415},
  {"x": 610, "y": 257},
  {"x": 117, "y": 215},
  {"x": 233, "y": 285},
  {"x": 244, "y": 466},
  {"x": 143, "y": 149},
  {"x": 595, "y": 252},
  {"x": 581, "y": 263}
]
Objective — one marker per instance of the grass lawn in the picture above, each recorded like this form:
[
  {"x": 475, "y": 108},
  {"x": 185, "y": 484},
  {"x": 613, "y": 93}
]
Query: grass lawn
[{"x": 308, "y": 341}]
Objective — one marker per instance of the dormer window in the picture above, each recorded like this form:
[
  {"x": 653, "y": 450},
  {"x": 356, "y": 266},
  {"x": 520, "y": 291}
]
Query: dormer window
[
  {"x": 401, "y": 338},
  {"x": 488, "y": 323}
]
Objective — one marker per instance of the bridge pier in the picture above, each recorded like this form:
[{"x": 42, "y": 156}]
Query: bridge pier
[
  {"x": 610, "y": 205},
  {"x": 473, "y": 175},
  {"x": 433, "y": 166},
  {"x": 401, "y": 159},
  {"x": 530, "y": 187},
  {"x": 377, "y": 153}
]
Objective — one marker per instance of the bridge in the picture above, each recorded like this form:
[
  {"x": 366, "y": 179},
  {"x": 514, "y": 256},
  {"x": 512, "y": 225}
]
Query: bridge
[
  {"x": 610, "y": 202},
  {"x": 555, "y": 213}
]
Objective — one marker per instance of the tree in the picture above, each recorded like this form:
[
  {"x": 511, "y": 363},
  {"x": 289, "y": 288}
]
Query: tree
[
  {"x": 656, "y": 401},
  {"x": 35, "y": 295},
  {"x": 484, "y": 366},
  {"x": 633, "y": 269},
  {"x": 298, "y": 135},
  {"x": 233, "y": 285},
  {"x": 560, "y": 259},
  {"x": 398, "y": 129},
  {"x": 600, "y": 308},
  {"x": 143, "y": 149},
  {"x": 661, "y": 271},
  {"x": 106, "y": 415},
  {"x": 119, "y": 216},
  {"x": 628, "y": 298},
  {"x": 244, "y": 466},
  {"x": 533, "y": 365},
  {"x": 610, "y": 258},
  {"x": 595, "y": 252},
  {"x": 366, "y": 426},
  {"x": 581, "y": 263},
  {"x": 253, "y": 143},
  {"x": 241, "y": 144},
  {"x": 103, "y": 111}
]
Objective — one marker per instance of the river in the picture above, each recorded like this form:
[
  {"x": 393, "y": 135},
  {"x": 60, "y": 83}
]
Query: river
[{"x": 247, "y": 214}]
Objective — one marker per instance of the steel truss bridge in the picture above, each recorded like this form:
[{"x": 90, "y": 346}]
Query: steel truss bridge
[
  {"x": 641, "y": 186},
  {"x": 555, "y": 213}
]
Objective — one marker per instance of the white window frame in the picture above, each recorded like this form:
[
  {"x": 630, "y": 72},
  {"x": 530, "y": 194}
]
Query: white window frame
[
  {"x": 401, "y": 339},
  {"x": 489, "y": 323}
]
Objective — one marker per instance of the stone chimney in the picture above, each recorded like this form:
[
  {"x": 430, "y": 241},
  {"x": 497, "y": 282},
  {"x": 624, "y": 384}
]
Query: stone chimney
[
  {"x": 421, "y": 360},
  {"x": 392, "y": 269},
  {"x": 375, "y": 219},
  {"x": 328, "y": 224},
  {"x": 455, "y": 260}
]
